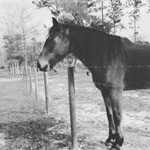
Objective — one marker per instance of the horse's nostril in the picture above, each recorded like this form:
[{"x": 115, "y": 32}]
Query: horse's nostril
[
  {"x": 45, "y": 68},
  {"x": 42, "y": 65},
  {"x": 38, "y": 65}
]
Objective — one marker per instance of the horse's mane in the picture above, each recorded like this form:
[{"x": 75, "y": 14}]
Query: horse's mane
[
  {"x": 126, "y": 41},
  {"x": 109, "y": 47}
]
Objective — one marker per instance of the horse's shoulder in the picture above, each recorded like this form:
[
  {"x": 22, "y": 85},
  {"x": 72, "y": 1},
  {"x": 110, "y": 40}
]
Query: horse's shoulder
[{"x": 126, "y": 41}]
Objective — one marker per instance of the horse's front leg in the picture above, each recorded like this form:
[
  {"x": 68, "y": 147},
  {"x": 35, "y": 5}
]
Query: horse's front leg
[
  {"x": 115, "y": 97},
  {"x": 112, "y": 130}
]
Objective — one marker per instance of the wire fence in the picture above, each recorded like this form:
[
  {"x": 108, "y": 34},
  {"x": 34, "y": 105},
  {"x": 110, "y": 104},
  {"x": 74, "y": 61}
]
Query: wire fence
[{"x": 30, "y": 80}]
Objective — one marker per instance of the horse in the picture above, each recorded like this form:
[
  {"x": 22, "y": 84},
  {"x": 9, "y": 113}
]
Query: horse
[{"x": 116, "y": 64}]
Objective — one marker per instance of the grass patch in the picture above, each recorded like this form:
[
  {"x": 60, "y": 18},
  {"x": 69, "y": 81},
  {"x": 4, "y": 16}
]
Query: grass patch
[{"x": 40, "y": 134}]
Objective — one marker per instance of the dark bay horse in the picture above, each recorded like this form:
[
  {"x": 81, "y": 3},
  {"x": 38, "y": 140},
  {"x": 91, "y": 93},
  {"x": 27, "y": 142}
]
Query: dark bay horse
[{"x": 116, "y": 64}]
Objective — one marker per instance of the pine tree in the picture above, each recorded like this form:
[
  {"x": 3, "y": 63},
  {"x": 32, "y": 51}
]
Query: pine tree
[
  {"x": 115, "y": 13},
  {"x": 134, "y": 14}
]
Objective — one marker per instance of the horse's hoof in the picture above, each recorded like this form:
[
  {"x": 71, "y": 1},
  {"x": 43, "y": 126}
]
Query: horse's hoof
[
  {"x": 115, "y": 148},
  {"x": 108, "y": 144},
  {"x": 110, "y": 141},
  {"x": 117, "y": 144},
  {"x": 121, "y": 141}
]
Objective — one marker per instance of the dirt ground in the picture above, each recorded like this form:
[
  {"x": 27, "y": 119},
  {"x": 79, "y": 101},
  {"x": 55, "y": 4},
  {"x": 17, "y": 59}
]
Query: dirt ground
[{"x": 25, "y": 126}]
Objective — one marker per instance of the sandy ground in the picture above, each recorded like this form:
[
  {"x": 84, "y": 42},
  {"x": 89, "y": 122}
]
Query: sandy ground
[
  {"x": 91, "y": 116},
  {"x": 20, "y": 112}
]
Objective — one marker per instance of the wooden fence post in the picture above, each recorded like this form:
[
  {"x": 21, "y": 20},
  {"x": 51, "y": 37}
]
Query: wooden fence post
[
  {"x": 13, "y": 69},
  {"x": 18, "y": 69},
  {"x": 71, "y": 90},
  {"x": 26, "y": 76},
  {"x": 36, "y": 84},
  {"x": 38, "y": 74},
  {"x": 46, "y": 90},
  {"x": 30, "y": 79},
  {"x": 10, "y": 68},
  {"x": 23, "y": 77}
]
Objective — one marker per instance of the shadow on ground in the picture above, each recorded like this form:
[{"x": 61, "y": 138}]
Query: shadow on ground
[{"x": 41, "y": 134}]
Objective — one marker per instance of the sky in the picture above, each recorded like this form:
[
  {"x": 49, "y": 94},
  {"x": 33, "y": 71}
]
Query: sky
[
  {"x": 43, "y": 16},
  {"x": 143, "y": 23},
  {"x": 40, "y": 17}
]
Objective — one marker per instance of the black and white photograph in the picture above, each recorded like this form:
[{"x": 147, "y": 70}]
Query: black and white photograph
[{"x": 74, "y": 74}]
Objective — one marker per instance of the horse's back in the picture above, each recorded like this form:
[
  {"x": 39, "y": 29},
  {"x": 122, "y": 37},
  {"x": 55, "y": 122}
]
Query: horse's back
[{"x": 138, "y": 65}]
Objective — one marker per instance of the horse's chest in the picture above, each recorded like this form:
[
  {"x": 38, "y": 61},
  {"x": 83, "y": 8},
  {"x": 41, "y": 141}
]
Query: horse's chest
[
  {"x": 109, "y": 77},
  {"x": 99, "y": 76}
]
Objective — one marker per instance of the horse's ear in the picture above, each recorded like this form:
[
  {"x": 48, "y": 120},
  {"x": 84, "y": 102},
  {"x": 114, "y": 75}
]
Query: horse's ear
[{"x": 55, "y": 22}]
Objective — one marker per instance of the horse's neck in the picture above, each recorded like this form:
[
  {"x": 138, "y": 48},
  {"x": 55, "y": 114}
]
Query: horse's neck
[{"x": 79, "y": 48}]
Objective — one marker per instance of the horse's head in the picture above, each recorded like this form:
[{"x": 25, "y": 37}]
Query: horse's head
[{"x": 56, "y": 46}]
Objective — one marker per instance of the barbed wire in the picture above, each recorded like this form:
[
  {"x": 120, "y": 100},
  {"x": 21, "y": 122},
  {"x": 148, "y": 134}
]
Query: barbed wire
[
  {"x": 110, "y": 85},
  {"x": 105, "y": 67},
  {"x": 74, "y": 62}
]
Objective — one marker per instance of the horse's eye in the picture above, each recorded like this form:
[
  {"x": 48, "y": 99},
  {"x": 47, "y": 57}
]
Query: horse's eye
[
  {"x": 60, "y": 36},
  {"x": 50, "y": 37}
]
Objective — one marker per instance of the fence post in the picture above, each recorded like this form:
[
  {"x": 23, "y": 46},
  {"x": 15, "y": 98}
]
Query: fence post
[
  {"x": 18, "y": 71},
  {"x": 71, "y": 90},
  {"x": 13, "y": 69},
  {"x": 10, "y": 68},
  {"x": 36, "y": 84},
  {"x": 23, "y": 77},
  {"x": 46, "y": 90},
  {"x": 26, "y": 76},
  {"x": 38, "y": 74},
  {"x": 30, "y": 79}
]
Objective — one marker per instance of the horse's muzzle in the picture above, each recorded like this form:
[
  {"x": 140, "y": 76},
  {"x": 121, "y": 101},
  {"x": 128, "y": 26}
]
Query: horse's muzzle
[{"x": 42, "y": 65}]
